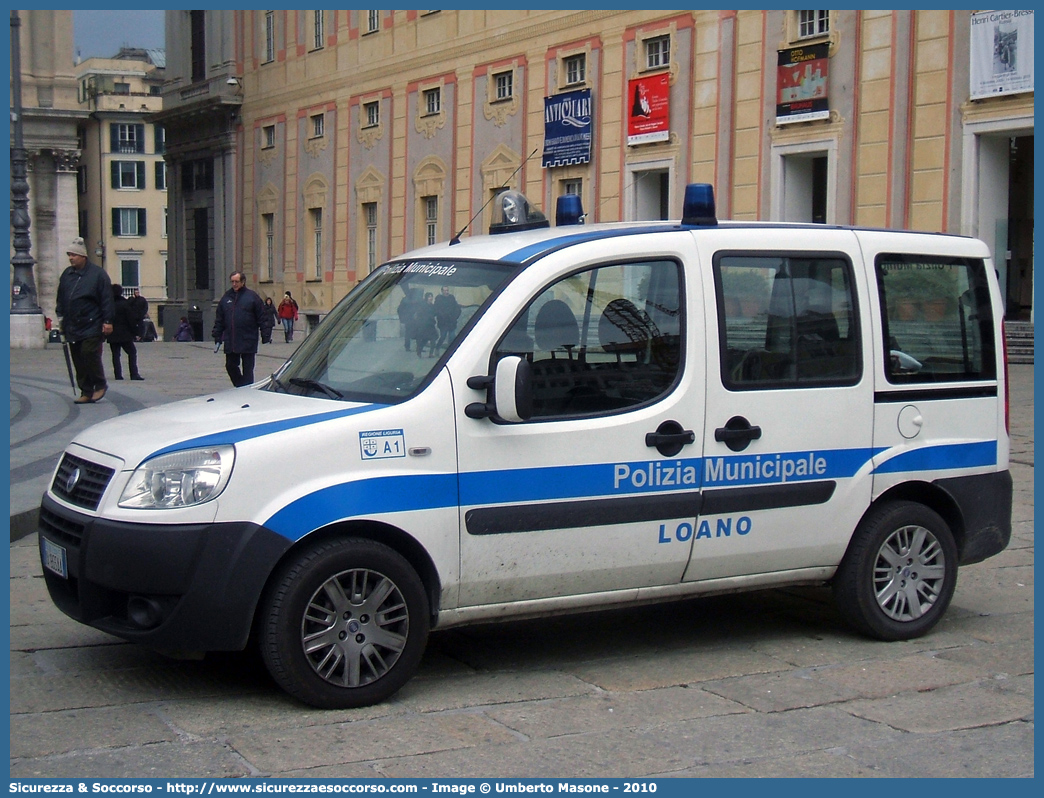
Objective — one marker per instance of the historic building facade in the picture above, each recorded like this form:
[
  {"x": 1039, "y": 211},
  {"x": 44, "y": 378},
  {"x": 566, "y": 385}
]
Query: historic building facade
[
  {"x": 362, "y": 134},
  {"x": 51, "y": 115},
  {"x": 122, "y": 176},
  {"x": 201, "y": 101}
]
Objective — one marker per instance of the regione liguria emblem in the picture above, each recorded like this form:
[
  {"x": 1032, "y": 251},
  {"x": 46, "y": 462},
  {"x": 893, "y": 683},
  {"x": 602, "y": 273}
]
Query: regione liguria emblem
[{"x": 382, "y": 444}]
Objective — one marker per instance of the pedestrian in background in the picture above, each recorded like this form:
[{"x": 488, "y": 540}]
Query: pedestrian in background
[
  {"x": 139, "y": 307},
  {"x": 268, "y": 323},
  {"x": 84, "y": 303},
  {"x": 237, "y": 324},
  {"x": 288, "y": 315},
  {"x": 121, "y": 339},
  {"x": 184, "y": 331}
]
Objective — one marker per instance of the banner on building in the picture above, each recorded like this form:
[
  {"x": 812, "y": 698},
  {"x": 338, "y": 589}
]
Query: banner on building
[
  {"x": 567, "y": 128},
  {"x": 801, "y": 84},
  {"x": 1001, "y": 53},
  {"x": 649, "y": 112}
]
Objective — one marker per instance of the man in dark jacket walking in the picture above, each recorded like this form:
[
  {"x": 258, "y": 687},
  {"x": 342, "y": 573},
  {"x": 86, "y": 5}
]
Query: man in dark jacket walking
[
  {"x": 124, "y": 331},
  {"x": 238, "y": 320},
  {"x": 84, "y": 303}
]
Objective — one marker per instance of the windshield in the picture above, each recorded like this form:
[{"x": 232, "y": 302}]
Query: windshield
[{"x": 383, "y": 340}]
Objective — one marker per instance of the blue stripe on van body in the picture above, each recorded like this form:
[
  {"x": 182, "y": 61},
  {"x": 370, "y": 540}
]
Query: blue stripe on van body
[
  {"x": 410, "y": 492},
  {"x": 366, "y": 497},
  {"x": 238, "y": 434},
  {"x": 946, "y": 456}
]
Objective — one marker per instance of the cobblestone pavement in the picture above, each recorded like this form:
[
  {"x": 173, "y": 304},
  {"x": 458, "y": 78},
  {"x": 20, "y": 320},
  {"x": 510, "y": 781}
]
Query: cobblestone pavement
[{"x": 762, "y": 684}]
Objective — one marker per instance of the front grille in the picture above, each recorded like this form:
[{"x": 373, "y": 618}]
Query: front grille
[
  {"x": 60, "y": 530},
  {"x": 88, "y": 489}
]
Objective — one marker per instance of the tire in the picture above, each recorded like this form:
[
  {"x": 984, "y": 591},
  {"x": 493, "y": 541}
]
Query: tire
[
  {"x": 899, "y": 573},
  {"x": 344, "y": 624}
]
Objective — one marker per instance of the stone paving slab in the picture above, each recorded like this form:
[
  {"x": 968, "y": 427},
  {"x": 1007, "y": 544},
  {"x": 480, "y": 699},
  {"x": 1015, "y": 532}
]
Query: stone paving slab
[
  {"x": 961, "y": 706},
  {"x": 186, "y": 759},
  {"x": 1006, "y": 659},
  {"x": 224, "y": 715},
  {"x": 314, "y": 746},
  {"x": 778, "y": 692},
  {"x": 606, "y": 711},
  {"x": 61, "y": 732},
  {"x": 676, "y": 668},
  {"x": 987, "y": 752}
]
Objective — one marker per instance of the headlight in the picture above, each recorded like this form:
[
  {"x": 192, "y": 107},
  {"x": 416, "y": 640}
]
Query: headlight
[{"x": 179, "y": 479}]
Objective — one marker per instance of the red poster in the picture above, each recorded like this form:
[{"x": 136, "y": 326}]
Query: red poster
[{"x": 649, "y": 106}]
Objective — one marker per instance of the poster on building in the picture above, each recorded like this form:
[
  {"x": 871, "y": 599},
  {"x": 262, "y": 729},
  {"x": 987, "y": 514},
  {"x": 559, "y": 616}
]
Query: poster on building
[
  {"x": 1001, "y": 53},
  {"x": 648, "y": 114},
  {"x": 567, "y": 128},
  {"x": 801, "y": 84}
]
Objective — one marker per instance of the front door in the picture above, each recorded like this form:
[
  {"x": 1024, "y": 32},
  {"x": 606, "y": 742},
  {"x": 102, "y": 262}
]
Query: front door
[
  {"x": 789, "y": 423},
  {"x": 580, "y": 499}
]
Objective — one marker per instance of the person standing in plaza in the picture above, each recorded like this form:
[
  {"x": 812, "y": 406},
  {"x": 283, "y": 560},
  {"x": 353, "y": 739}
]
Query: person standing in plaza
[
  {"x": 84, "y": 303},
  {"x": 237, "y": 324},
  {"x": 269, "y": 321},
  {"x": 139, "y": 311},
  {"x": 124, "y": 331},
  {"x": 288, "y": 315}
]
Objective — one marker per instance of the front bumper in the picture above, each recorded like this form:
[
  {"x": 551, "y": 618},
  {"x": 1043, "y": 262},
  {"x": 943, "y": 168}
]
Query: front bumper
[{"x": 170, "y": 587}]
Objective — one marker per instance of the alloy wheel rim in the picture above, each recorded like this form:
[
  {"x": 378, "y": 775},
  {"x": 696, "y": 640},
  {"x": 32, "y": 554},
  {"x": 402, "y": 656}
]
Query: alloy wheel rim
[
  {"x": 909, "y": 573},
  {"x": 355, "y": 627}
]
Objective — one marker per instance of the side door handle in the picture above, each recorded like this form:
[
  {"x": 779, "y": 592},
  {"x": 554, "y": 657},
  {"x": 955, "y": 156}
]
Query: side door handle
[
  {"x": 669, "y": 438},
  {"x": 737, "y": 433}
]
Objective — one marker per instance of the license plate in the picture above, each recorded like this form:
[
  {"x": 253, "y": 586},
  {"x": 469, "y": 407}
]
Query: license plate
[{"x": 54, "y": 558}]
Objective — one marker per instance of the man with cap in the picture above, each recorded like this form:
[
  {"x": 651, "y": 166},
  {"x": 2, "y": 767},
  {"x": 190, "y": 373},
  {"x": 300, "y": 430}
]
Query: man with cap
[{"x": 85, "y": 306}]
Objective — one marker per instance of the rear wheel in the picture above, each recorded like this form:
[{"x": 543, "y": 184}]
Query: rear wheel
[
  {"x": 899, "y": 573},
  {"x": 344, "y": 624}
]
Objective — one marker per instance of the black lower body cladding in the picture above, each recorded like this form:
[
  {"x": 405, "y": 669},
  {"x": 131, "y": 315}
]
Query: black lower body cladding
[
  {"x": 985, "y": 504},
  {"x": 195, "y": 587}
]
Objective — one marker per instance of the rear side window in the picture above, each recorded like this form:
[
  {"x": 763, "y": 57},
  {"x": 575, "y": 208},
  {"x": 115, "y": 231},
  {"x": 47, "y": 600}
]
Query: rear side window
[
  {"x": 786, "y": 321},
  {"x": 937, "y": 319}
]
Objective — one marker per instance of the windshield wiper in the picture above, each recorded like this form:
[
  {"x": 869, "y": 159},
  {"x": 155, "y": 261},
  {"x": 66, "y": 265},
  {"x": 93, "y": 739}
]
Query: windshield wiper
[
  {"x": 278, "y": 385},
  {"x": 332, "y": 393}
]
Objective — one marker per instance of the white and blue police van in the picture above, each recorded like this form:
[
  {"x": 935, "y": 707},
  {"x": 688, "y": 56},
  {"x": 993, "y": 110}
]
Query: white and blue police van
[{"x": 615, "y": 414}]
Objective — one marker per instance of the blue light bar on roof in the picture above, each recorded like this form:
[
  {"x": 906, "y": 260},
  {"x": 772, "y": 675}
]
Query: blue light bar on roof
[
  {"x": 698, "y": 208},
  {"x": 569, "y": 210}
]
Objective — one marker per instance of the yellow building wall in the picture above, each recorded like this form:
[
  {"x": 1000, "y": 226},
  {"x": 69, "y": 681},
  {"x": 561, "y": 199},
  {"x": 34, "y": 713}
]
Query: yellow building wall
[{"x": 893, "y": 99}]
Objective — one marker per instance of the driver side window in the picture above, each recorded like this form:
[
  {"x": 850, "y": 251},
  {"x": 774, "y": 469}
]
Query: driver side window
[{"x": 602, "y": 340}]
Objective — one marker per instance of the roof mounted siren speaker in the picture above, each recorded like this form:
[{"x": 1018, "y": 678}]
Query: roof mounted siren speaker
[{"x": 512, "y": 212}]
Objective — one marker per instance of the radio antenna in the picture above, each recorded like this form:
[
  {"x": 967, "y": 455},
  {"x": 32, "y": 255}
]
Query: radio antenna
[{"x": 456, "y": 238}]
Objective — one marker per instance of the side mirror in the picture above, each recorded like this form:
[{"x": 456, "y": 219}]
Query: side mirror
[{"x": 511, "y": 389}]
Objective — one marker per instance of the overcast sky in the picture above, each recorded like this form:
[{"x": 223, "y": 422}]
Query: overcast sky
[{"x": 103, "y": 33}]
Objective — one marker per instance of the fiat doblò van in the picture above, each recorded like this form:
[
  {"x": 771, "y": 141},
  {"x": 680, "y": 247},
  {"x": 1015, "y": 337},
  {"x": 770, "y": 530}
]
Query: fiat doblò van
[{"x": 545, "y": 420}]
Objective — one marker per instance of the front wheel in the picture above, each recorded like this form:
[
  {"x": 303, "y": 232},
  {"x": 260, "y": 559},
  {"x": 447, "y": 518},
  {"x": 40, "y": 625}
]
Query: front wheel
[
  {"x": 344, "y": 624},
  {"x": 899, "y": 573}
]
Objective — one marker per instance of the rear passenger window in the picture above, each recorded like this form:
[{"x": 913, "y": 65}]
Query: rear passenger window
[
  {"x": 786, "y": 321},
  {"x": 937, "y": 319},
  {"x": 601, "y": 340}
]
